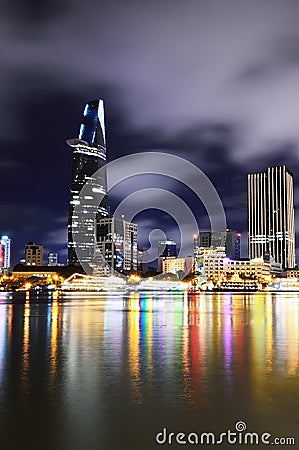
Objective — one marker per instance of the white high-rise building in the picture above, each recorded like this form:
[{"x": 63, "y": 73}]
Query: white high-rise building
[{"x": 271, "y": 223}]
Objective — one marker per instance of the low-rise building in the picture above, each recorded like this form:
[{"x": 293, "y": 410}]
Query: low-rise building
[
  {"x": 22, "y": 272},
  {"x": 173, "y": 265},
  {"x": 290, "y": 273},
  {"x": 255, "y": 268},
  {"x": 33, "y": 254},
  {"x": 210, "y": 262}
]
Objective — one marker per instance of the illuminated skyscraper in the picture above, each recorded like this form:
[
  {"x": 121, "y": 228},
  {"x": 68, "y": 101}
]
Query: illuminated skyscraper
[
  {"x": 89, "y": 155},
  {"x": 271, "y": 224},
  {"x": 5, "y": 253},
  {"x": 117, "y": 243}
]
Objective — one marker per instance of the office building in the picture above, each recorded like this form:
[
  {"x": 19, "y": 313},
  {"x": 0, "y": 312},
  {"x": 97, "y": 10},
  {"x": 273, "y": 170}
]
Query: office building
[
  {"x": 171, "y": 264},
  {"x": 210, "y": 262},
  {"x": 89, "y": 155},
  {"x": 291, "y": 273},
  {"x": 228, "y": 239},
  {"x": 203, "y": 239},
  {"x": 271, "y": 224},
  {"x": 33, "y": 254},
  {"x": 116, "y": 246},
  {"x": 174, "y": 265},
  {"x": 52, "y": 259},
  {"x": 166, "y": 249},
  {"x": 255, "y": 268},
  {"x": 5, "y": 253}
]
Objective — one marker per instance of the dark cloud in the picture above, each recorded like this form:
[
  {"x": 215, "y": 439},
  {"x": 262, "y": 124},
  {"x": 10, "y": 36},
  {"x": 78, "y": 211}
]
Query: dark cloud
[
  {"x": 30, "y": 16},
  {"x": 283, "y": 57}
]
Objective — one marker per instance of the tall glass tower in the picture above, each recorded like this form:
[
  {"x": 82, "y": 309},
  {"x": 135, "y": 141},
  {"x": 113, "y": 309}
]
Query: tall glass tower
[
  {"x": 89, "y": 155},
  {"x": 271, "y": 224}
]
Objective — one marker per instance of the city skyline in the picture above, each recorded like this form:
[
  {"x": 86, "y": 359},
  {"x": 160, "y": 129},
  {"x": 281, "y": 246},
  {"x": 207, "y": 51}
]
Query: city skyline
[
  {"x": 229, "y": 107},
  {"x": 265, "y": 190},
  {"x": 270, "y": 209},
  {"x": 268, "y": 193}
]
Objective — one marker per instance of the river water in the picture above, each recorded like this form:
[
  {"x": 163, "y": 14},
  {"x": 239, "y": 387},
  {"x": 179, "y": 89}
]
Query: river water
[{"x": 109, "y": 372}]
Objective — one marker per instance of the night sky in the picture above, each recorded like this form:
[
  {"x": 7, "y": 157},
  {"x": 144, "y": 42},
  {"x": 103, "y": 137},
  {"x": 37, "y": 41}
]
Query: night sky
[{"x": 213, "y": 81}]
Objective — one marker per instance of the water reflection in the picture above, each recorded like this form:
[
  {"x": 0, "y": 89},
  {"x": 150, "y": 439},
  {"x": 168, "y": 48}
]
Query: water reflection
[
  {"x": 213, "y": 355},
  {"x": 54, "y": 325},
  {"x": 133, "y": 344},
  {"x": 26, "y": 347},
  {"x": 3, "y": 337}
]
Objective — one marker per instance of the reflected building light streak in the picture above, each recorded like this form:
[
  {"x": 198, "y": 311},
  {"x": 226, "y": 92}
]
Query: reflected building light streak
[
  {"x": 227, "y": 327},
  {"x": 178, "y": 312},
  {"x": 169, "y": 349},
  {"x": 275, "y": 340},
  {"x": 77, "y": 351},
  {"x": 228, "y": 342},
  {"x": 159, "y": 325},
  {"x": 185, "y": 312},
  {"x": 258, "y": 351},
  {"x": 54, "y": 339},
  {"x": 26, "y": 345},
  {"x": 207, "y": 308},
  {"x": 113, "y": 329},
  {"x": 73, "y": 347},
  {"x": 133, "y": 345},
  {"x": 146, "y": 323},
  {"x": 258, "y": 329},
  {"x": 238, "y": 328},
  {"x": 9, "y": 322},
  {"x": 178, "y": 323},
  {"x": 3, "y": 335},
  {"x": 203, "y": 336},
  {"x": 195, "y": 352},
  {"x": 202, "y": 305},
  {"x": 193, "y": 312},
  {"x": 49, "y": 314},
  {"x": 185, "y": 352},
  {"x": 134, "y": 302},
  {"x": 280, "y": 330},
  {"x": 70, "y": 348},
  {"x": 221, "y": 310},
  {"x": 269, "y": 333},
  {"x": 291, "y": 319},
  {"x": 214, "y": 313}
]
